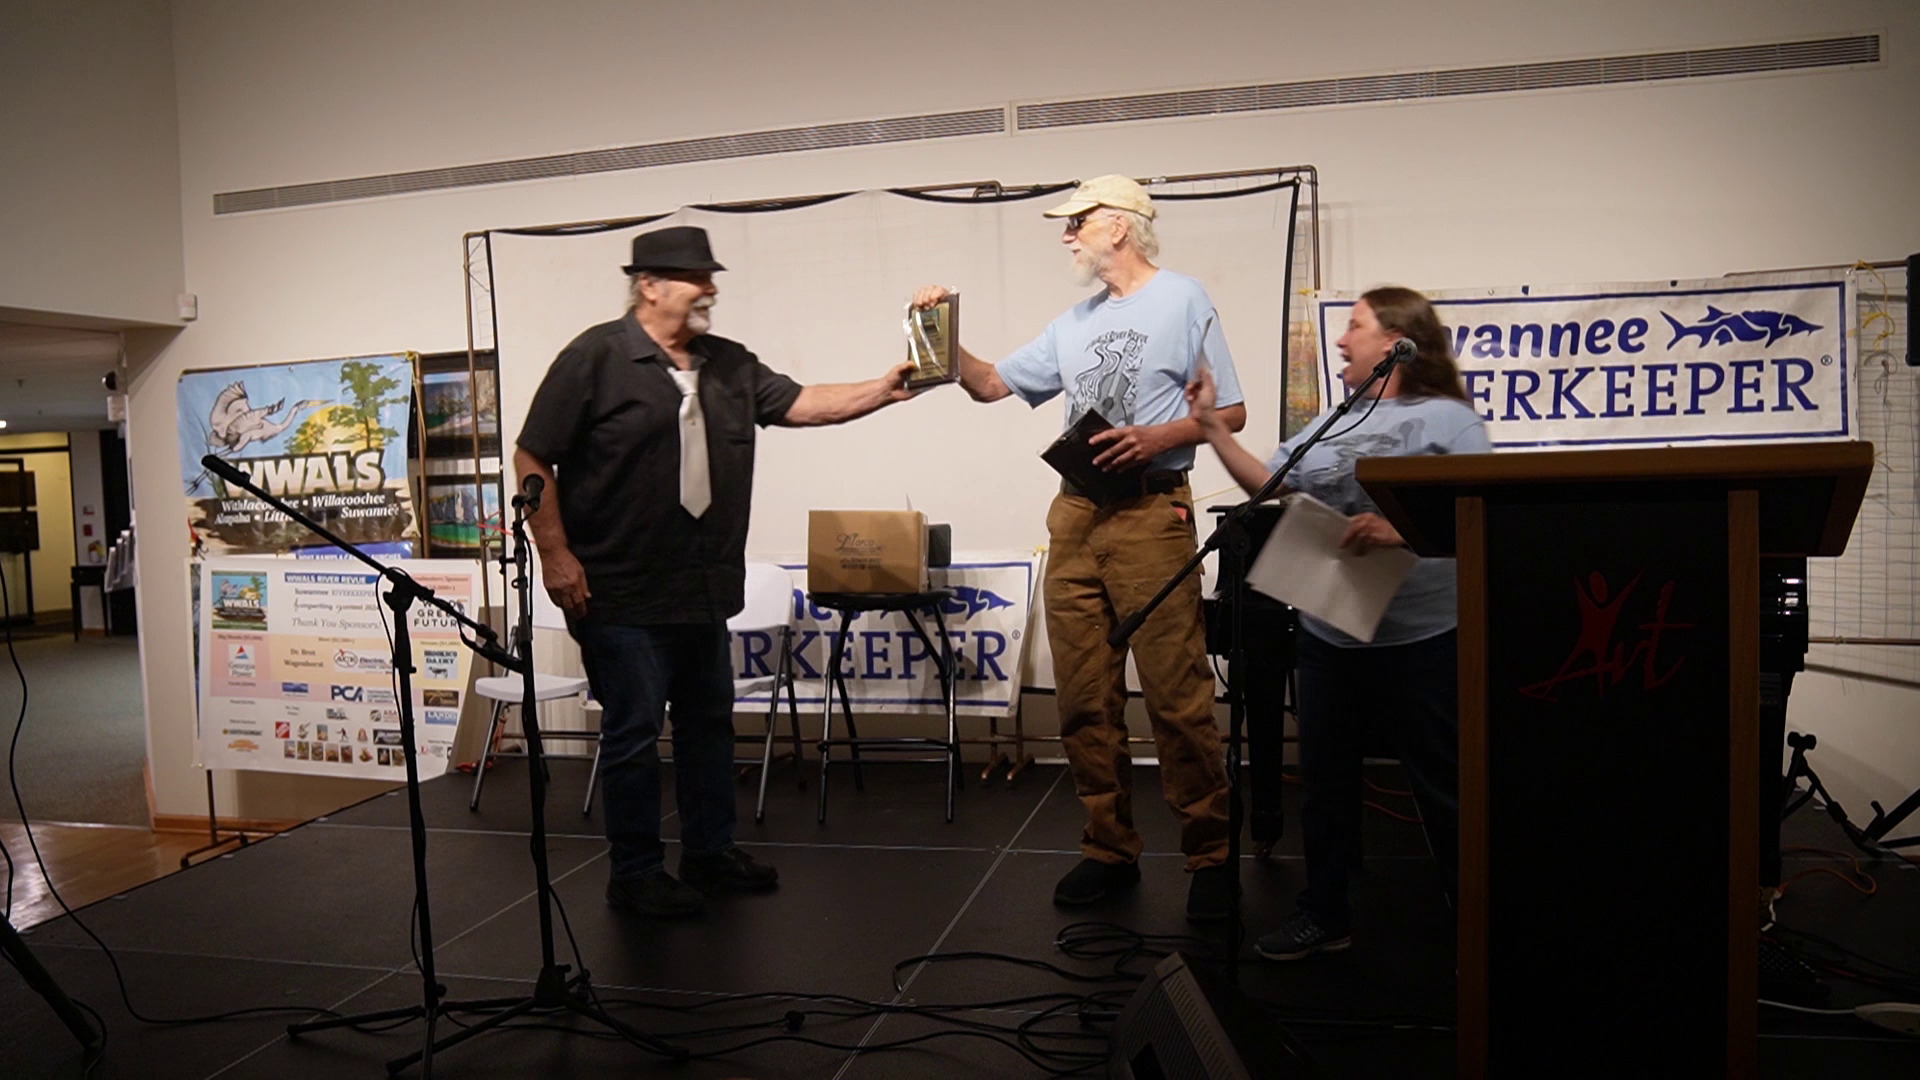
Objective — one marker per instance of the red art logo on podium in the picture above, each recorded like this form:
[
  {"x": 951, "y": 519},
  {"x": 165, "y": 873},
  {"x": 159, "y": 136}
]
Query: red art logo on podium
[{"x": 1606, "y": 655}]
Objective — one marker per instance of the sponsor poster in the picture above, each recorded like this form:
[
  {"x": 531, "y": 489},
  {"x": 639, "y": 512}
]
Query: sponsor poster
[
  {"x": 1760, "y": 358},
  {"x": 886, "y": 663},
  {"x": 296, "y": 669},
  {"x": 327, "y": 436}
]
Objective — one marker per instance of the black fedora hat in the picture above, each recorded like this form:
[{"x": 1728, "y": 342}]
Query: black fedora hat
[{"x": 682, "y": 247}]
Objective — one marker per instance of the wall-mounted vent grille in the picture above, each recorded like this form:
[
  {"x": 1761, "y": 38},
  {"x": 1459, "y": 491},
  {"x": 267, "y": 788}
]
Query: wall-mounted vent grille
[
  {"x": 717, "y": 148},
  {"x": 1411, "y": 86},
  {"x": 1602, "y": 71}
]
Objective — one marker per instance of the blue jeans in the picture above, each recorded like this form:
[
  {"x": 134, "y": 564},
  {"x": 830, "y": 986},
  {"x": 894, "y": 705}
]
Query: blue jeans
[
  {"x": 1406, "y": 693},
  {"x": 639, "y": 675}
]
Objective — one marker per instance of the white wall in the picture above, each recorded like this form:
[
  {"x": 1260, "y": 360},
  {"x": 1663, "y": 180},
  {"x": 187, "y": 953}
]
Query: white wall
[
  {"x": 1630, "y": 182},
  {"x": 1867, "y": 732},
  {"x": 91, "y": 183}
]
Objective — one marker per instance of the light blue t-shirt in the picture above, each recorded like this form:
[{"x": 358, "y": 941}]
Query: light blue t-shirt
[
  {"x": 1427, "y": 604},
  {"x": 1129, "y": 357}
]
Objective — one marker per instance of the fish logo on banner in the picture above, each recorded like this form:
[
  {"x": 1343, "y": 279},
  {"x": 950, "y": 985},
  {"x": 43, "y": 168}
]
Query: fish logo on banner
[
  {"x": 970, "y": 601},
  {"x": 1721, "y": 328}
]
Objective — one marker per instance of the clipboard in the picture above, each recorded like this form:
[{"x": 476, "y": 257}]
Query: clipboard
[{"x": 1071, "y": 455}]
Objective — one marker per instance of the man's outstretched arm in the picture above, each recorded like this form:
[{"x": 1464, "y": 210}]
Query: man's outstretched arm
[{"x": 837, "y": 403}]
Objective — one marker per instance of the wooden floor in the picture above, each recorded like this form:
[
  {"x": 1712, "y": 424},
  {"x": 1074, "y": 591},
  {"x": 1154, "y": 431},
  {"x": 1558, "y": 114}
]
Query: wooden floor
[{"x": 87, "y": 863}]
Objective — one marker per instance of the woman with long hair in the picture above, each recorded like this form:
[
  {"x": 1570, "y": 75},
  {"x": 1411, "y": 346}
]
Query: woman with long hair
[{"x": 1403, "y": 680}]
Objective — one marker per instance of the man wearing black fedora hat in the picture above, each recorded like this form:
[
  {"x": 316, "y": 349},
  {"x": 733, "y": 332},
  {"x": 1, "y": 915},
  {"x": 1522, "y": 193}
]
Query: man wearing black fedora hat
[{"x": 643, "y": 432}]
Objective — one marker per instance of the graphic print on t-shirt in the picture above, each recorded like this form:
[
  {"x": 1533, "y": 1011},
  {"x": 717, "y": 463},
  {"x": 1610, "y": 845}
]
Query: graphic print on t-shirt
[
  {"x": 1334, "y": 483},
  {"x": 1110, "y": 384}
]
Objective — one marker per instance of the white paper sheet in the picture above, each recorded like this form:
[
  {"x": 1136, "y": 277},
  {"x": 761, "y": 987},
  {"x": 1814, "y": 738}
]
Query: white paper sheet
[{"x": 1304, "y": 565}]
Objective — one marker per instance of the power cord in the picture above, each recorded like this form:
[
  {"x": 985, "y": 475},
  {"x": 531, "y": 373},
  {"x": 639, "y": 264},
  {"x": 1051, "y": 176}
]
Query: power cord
[
  {"x": 13, "y": 746},
  {"x": 119, "y": 977},
  {"x": 1070, "y": 1052},
  {"x": 1024, "y": 1039},
  {"x": 96, "y": 1053},
  {"x": 1837, "y": 959}
]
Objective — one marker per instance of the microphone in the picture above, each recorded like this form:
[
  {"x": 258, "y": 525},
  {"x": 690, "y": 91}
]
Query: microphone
[
  {"x": 1402, "y": 352},
  {"x": 226, "y": 470},
  {"x": 530, "y": 489}
]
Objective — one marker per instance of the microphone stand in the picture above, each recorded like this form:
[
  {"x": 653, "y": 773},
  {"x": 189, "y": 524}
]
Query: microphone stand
[
  {"x": 553, "y": 991},
  {"x": 403, "y": 593},
  {"x": 14, "y": 949},
  {"x": 92, "y": 1041},
  {"x": 1230, "y": 538}
]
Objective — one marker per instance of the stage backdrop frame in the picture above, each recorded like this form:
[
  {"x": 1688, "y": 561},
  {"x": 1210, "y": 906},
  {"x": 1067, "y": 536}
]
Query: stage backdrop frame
[{"x": 1024, "y": 239}]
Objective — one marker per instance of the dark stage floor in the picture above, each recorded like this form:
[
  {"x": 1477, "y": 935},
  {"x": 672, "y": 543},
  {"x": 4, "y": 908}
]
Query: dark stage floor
[{"x": 319, "y": 916}]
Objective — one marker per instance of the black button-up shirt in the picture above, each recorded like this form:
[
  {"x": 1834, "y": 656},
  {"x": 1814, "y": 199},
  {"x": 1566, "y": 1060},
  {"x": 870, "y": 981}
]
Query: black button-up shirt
[{"x": 606, "y": 419}]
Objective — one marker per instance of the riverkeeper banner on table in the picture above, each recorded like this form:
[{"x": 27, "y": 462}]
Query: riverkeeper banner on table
[
  {"x": 887, "y": 665},
  {"x": 327, "y": 436},
  {"x": 1759, "y": 358},
  {"x": 296, "y": 671}
]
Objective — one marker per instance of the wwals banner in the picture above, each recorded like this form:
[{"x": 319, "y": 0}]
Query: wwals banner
[{"x": 329, "y": 437}]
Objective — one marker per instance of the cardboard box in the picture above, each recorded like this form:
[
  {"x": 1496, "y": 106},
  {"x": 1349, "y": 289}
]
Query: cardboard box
[{"x": 866, "y": 551}]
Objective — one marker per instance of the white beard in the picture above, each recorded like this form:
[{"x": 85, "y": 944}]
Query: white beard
[
  {"x": 1086, "y": 268},
  {"x": 700, "y": 319}
]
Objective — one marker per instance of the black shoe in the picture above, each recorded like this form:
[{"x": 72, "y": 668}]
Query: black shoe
[
  {"x": 728, "y": 870},
  {"x": 1092, "y": 880},
  {"x": 1300, "y": 937},
  {"x": 1208, "y": 893},
  {"x": 656, "y": 893}
]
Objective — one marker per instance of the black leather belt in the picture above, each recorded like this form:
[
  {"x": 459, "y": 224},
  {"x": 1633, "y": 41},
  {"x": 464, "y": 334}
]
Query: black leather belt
[{"x": 1152, "y": 482}]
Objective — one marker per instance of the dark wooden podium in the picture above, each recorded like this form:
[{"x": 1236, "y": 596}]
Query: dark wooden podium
[{"x": 1609, "y": 763}]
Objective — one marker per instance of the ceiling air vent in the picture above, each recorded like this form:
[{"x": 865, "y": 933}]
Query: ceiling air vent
[
  {"x": 1034, "y": 116},
  {"x": 685, "y": 151},
  {"x": 1458, "y": 82}
]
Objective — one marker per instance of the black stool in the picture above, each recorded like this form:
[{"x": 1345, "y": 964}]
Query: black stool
[{"x": 912, "y": 605}]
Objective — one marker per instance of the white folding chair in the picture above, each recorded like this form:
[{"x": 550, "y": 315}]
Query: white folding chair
[
  {"x": 505, "y": 692},
  {"x": 769, "y": 610}
]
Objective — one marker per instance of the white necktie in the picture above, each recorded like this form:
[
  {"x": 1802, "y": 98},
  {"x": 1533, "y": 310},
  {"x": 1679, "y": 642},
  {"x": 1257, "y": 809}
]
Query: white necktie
[{"x": 695, "y": 489}]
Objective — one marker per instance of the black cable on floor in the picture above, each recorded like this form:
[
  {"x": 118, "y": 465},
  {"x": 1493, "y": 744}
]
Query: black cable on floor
[
  {"x": 1896, "y": 972},
  {"x": 13, "y": 746},
  {"x": 1023, "y": 1039},
  {"x": 1006, "y": 958},
  {"x": 1020, "y": 1039},
  {"x": 13, "y": 782},
  {"x": 95, "y": 1053},
  {"x": 1094, "y": 940}
]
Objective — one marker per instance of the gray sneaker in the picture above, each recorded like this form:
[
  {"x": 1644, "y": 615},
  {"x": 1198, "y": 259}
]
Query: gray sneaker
[{"x": 1300, "y": 937}]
